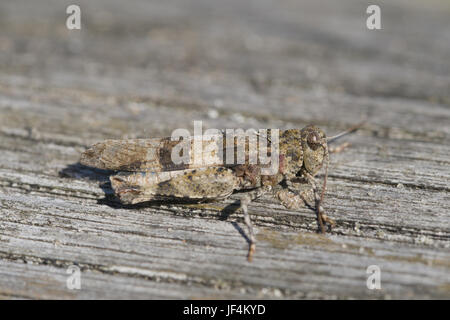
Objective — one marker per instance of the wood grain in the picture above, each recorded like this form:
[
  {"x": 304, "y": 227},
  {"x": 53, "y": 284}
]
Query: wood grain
[{"x": 146, "y": 68}]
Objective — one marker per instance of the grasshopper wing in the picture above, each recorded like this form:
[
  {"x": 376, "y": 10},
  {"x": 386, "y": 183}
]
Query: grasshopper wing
[
  {"x": 126, "y": 155},
  {"x": 163, "y": 154},
  {"x": 156, "y": 155}
]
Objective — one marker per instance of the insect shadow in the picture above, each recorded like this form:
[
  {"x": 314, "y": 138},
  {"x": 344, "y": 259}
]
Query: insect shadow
[
  {"x": 229, "y": 210},
  {"x": 79, "y": 171}
]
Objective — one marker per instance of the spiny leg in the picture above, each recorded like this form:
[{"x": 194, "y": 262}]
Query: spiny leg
[
  {"x": 321, "y": 216},
  {"x": 244, "y": 202}
]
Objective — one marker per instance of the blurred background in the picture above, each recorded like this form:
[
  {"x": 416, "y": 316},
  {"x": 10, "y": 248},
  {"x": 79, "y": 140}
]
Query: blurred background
[{"x": 142, "y": 68}]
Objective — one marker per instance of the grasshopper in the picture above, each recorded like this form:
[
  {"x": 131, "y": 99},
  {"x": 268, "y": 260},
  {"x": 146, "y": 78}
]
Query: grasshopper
[{"x": 147, "y": 172}]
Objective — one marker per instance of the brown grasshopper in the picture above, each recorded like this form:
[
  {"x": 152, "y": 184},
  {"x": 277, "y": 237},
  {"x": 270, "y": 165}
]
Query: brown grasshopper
[{"x": 148, "y": 172}]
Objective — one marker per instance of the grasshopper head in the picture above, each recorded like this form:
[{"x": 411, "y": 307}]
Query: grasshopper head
[
  {"x": 315, "y": 149},
  {"x": 303, "y": 150}
]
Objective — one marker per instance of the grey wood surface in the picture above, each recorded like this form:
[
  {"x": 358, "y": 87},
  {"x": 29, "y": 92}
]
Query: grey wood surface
[{"x": 144, "y": 68}]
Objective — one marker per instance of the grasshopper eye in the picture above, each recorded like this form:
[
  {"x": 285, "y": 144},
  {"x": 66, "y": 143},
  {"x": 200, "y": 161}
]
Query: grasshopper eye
[{"x": 313, "y": 140}]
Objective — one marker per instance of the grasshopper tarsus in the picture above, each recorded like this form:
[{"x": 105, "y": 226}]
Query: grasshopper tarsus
[
  {"x": 245, "y": 201},
  {"x": 251, "y": 251},
  {"x": 321, "y": 225}
]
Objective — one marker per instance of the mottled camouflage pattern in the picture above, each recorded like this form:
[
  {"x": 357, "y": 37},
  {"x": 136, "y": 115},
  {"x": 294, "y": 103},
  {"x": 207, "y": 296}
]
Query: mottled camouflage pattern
[
  {"x": 148, "y": 173},
  {"x": 153, "y": 176}
]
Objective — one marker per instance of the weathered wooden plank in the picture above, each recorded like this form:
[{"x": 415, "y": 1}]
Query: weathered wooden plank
[
  {"x": 155, "y": 243},
  {"x": 147, "y": 68}
]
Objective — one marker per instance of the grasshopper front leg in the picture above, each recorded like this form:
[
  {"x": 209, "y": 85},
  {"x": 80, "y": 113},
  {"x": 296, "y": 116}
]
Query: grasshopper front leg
[
  {"x": 292, "y": 198},
  {"x": 321, "y": 216}
]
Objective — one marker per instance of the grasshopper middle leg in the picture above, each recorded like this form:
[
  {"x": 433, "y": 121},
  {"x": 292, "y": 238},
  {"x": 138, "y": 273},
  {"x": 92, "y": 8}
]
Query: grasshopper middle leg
[{"x": 244, "y": 202}]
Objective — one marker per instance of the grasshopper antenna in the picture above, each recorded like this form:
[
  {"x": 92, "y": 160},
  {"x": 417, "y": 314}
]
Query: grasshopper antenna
[{"x": 349, "y": 130}]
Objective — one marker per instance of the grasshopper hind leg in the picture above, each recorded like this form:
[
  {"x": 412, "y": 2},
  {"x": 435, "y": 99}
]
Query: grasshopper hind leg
[{"x": 204, "y": 184}]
